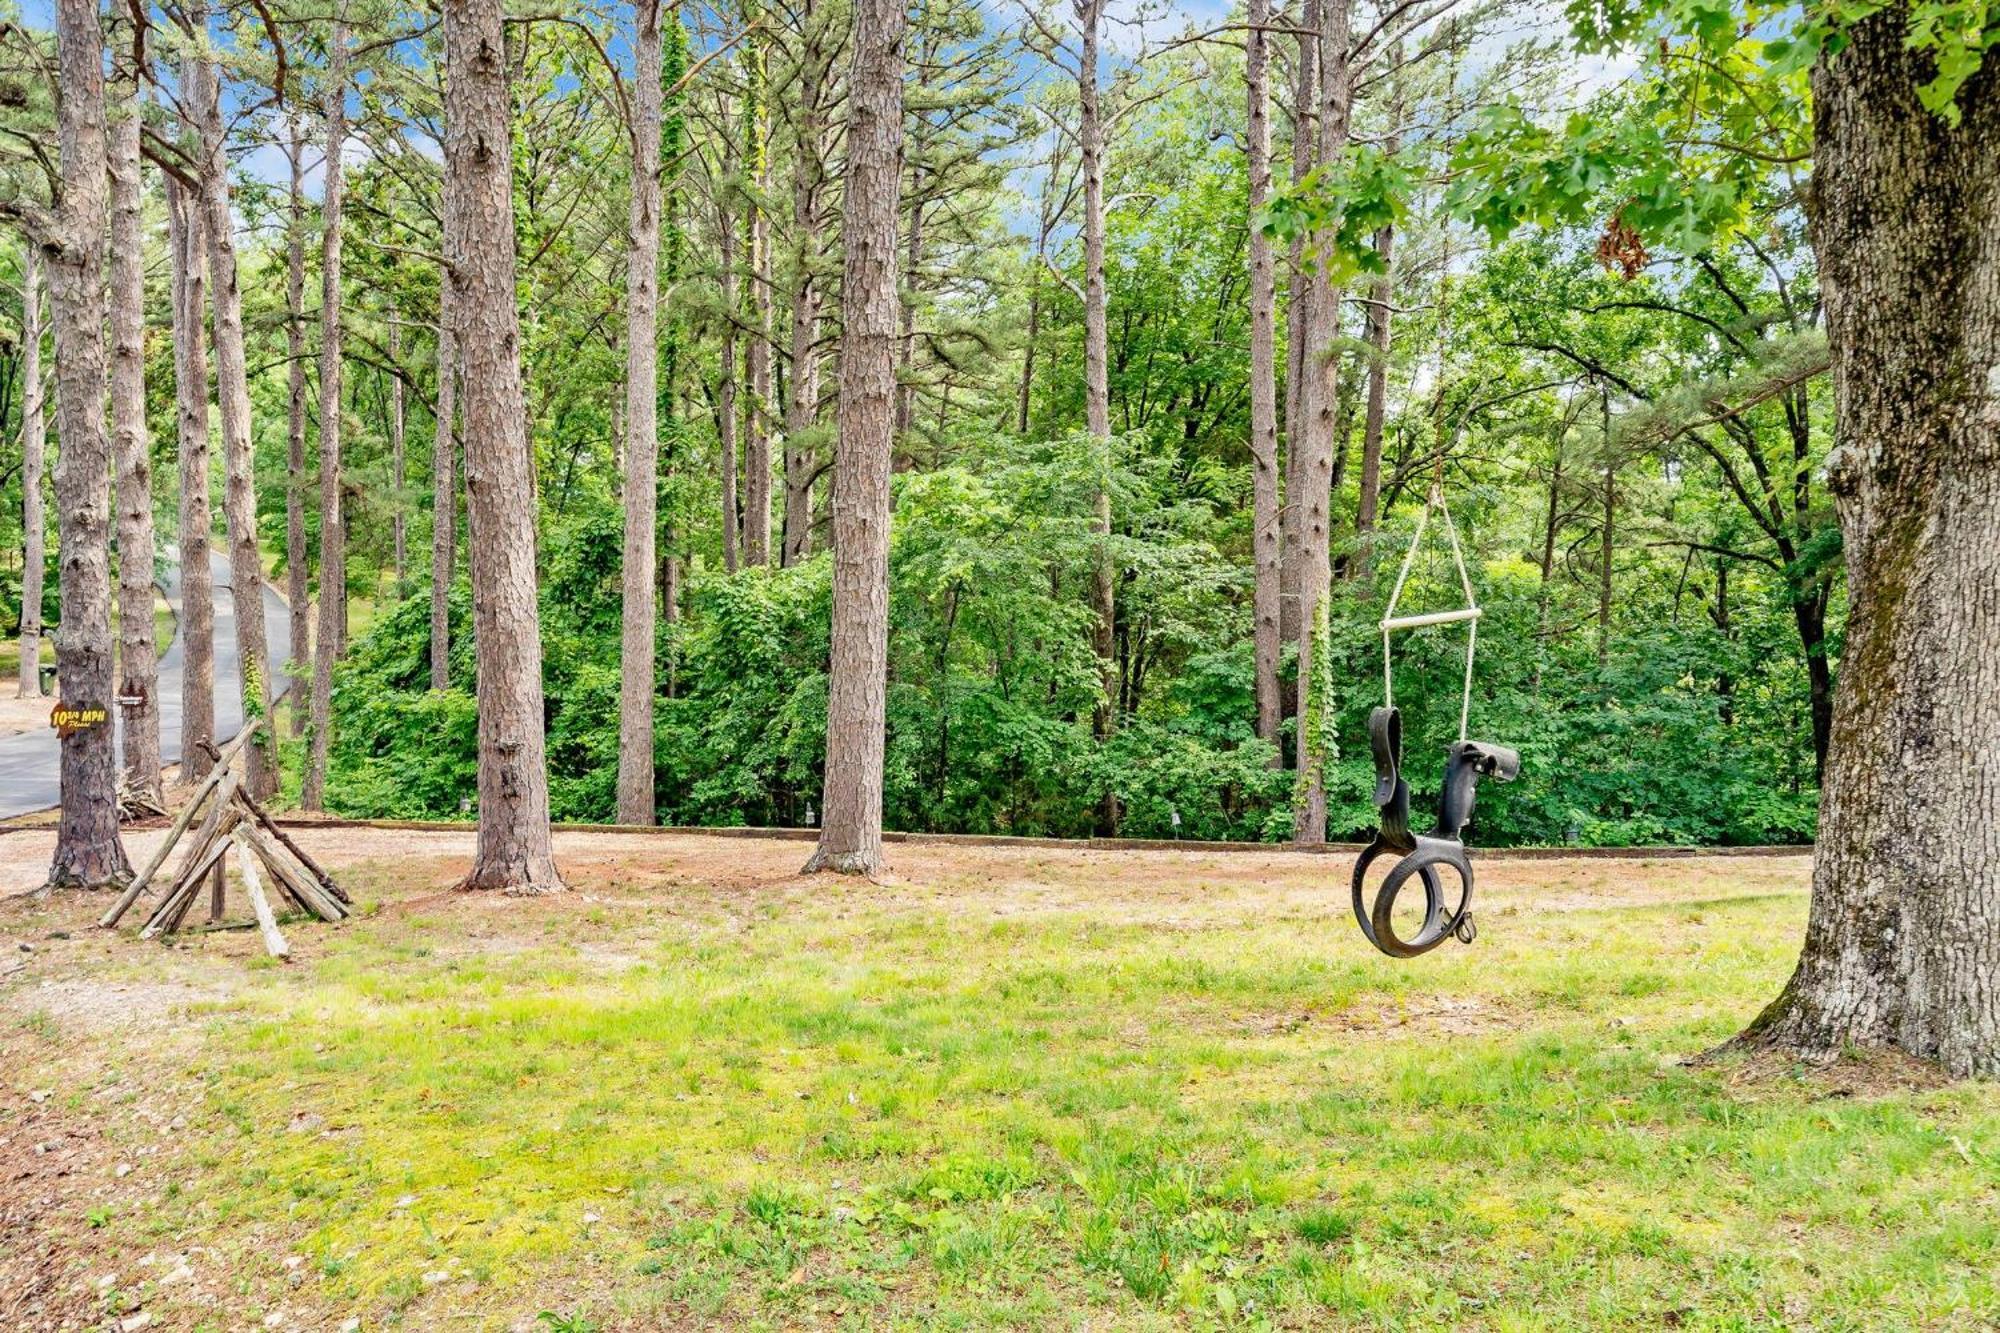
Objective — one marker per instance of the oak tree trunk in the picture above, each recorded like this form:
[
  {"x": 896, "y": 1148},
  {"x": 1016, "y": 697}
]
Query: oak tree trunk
[
  {"x": 1298, "y": 304},
  {"x": 850, "y": 839},
  {"x": 642, "y": 427},
  {"x": 138, "y": 657},
  {"x": 1902, "y": 943},
  {"x": 514, "y": 851},
  {"x": 1264, "y": 541},
  {"x": 444, "y": 489},
  {"x": 1319, "y": 395},
  {"x": 34, "y": 450},
  {"x": 88, "y": 853},
  {"x": 232, "y": 391},
  {"x": 332, "y": 522},
  {"x": 187, "y": 251}
]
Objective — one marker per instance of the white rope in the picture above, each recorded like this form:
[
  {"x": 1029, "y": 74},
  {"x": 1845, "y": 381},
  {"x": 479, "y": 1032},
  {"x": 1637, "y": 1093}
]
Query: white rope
[{"x": 1469, "y": 613}]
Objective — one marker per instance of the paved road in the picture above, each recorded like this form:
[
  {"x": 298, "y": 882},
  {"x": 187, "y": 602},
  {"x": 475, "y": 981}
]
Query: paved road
[{"x": 30, "y": 775}]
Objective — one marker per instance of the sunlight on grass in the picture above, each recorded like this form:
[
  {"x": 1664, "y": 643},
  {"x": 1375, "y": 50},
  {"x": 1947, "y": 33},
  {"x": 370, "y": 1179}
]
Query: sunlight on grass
[{"x": 933, "y": 1117}]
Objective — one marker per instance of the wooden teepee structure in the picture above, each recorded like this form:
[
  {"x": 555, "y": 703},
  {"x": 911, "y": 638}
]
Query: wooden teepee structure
[{"x": 235, "y": 821}]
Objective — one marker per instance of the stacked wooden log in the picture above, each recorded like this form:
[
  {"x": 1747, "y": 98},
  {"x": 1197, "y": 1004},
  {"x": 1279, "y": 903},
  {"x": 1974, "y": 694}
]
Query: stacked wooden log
[{"x": 233, "y": 821}]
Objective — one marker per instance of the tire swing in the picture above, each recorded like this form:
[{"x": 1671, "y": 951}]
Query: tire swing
[{"x": 1421, "y": 855}]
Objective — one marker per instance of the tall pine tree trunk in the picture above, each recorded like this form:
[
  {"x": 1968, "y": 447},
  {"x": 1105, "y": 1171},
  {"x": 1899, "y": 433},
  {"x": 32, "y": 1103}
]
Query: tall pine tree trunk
[
  {"x": 88, "y": 853},
  {"x": 757, "y": 352},
  {"x": 1264, "y": 540},
  {"x": 1298, "y": 306},
  {"x": 399, "y": 519},
  {"x": 332, "y": 521},
  {"x": 297, "y": 573},
  {"x": 138, "y": 657},
  {"x": 642, "y": 427},
  {"x": 850, "y": 839},
  {"x": 34, "y": 450},
  {"x": 444, "y": 489},
  {"x": 514, "y": 851},
  {"x": 232, "y": 391},
  {"x": 1902, "y": 943},
  {"x": 725, "y": 398},
  {"x": 1318, "y": 401},
  {"x": 802, "y": 405},
  {"x": 187, "y": 251}
]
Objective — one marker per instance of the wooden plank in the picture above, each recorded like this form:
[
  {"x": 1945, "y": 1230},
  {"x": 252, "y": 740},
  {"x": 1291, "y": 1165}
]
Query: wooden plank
[
  {"x": 180, "y": 824},
  {"x": 246, "y": 862}
]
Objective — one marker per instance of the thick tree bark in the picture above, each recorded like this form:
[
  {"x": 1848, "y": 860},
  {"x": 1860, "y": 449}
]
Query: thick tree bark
[
  {"x": 332, "y": 521},
  {"x": 514, "y": 850},
  {"x": 232, "y": 391},
  {"x": 1318, "y": 400},
  {"x": 444, "y": 490},
  {"x": 1264, "y": 539},
  {"x": 88, "y": 853},
  {"x": 850, "y": 837},
  {"x": 187, "y": 251},
  {"x": 297, "y": 573},
  {"x": 1368, "y": 502},
  {"x": 1902, "y": 943},
  {"x": 138, "y": 657},
  {"x": 642, "y": 426},
  {"x": 34, "y": 450}
]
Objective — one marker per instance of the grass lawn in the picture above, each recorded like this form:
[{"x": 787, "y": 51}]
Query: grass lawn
[{"x": 1012, "y": 1088}]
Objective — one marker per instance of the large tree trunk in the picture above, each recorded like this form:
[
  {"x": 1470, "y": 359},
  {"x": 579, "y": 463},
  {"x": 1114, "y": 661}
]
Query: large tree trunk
[
  {"x": 1264, "y": 539},
  {"x": 1097, "y": 376},
  {"x": 642, "y": 426},
  {"x": 138, "y": 657},
  {"x": 332, "y": 522},
  {"x": 850, "y": 839},
  {"x": 1368, "y": 502},
  {"x": 1318, "y": 400},
  {"x": 444, "y": 490},
  {"x": 1903, "y": 940},
  {"x": 34, "y": 448},
  {"x": 514, "y": 850},
  {"x": 232, "y": 391},
  {"x": 297, "y": 574},
  {"x": 757, "y": 354},
  {"x": 88, "y": 853},
  {"x": 187, "y": 250}
]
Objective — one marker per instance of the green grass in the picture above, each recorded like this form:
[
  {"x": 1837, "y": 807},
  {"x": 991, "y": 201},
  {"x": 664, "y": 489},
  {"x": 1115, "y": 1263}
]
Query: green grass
[{"x": 904, "y": 1108}]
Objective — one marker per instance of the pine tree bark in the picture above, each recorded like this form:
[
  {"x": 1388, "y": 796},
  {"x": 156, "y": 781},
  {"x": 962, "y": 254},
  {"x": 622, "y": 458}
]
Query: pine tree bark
[
  {"x": 297, "y": 573},
  {"x": 88, "y": 853},
  {"x": 514, "y": 852},
  {"x": 34, "y": 453},
  {"x": 138, "y": 657},
  {"x": 187, "y": 250},
  {"x": 1318, "y": 402},
  {"x": 725, "y": 399},
  {"x": 850, "y": 837},
  {"x": 802, "y": 405},
  {"x": 1264, "y": 539},
  {"x": 232, "y": 391},
  {"x": 1902, "y": 946},
  {"x": 638, "y": 644},
  {"x": 444, "y": 489},
  {"x": 332, "y": 521},
  {"x": 1298, "y": 304}
]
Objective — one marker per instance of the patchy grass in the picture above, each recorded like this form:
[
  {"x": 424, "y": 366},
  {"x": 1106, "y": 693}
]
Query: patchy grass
[{"x": 1039, "y": 1090}]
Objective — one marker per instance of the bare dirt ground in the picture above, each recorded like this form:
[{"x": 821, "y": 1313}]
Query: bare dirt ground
[{"x": 132, "y": 1014}]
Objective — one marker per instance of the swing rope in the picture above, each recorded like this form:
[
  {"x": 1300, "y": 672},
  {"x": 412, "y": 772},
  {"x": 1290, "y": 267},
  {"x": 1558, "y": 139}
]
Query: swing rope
[{"x": 1470, "y": 613}]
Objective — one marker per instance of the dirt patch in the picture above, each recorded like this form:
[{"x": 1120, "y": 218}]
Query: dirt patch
[{"x": 1750, "y": 1070}]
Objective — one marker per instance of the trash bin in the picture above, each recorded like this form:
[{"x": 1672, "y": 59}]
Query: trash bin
[{"x": 48, "y": 680}]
